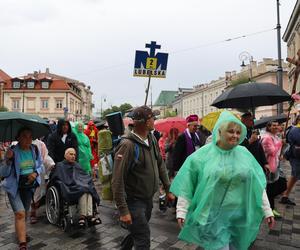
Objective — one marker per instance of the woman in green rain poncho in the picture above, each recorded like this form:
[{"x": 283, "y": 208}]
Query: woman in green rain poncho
[
  {"x": 84, "y": 148},
  {"x": 221, "y": 191}
]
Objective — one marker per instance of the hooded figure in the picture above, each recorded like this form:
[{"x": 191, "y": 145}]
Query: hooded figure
[
  {"x": 92, "y": 133},
  {"x": 60, "y": 140},
  {"x": 221, "y": 191},
  {"x": 84, "y": 148}
]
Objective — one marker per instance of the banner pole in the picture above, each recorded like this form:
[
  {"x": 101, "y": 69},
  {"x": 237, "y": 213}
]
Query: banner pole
[{"x": 147, "y": 90}]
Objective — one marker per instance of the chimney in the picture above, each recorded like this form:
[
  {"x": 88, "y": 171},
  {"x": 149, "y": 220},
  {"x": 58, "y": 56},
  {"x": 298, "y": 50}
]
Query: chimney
[{"x": 47, "y": 71}]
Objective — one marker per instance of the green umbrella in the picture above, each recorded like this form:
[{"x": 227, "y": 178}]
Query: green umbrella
[{"x": 11, "y": 122}]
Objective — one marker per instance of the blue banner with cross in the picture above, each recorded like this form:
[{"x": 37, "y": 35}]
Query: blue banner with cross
[{"x": 154, "y": 65}]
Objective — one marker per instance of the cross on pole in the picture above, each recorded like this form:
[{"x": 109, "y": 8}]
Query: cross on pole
[
  {"x": 297, "y": 69},
  {"x": 296, "y": 62},
  {"x": 153, "y": 46}
]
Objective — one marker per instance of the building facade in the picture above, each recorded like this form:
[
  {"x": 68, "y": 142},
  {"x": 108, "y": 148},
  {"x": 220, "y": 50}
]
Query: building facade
[
  {"x": 200, "y": 99},
  {"x": 292, "y": 37},
  {"x": 48, "y": 95}
]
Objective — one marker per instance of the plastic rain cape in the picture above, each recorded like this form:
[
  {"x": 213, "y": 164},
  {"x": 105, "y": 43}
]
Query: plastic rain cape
[
  {"x": 84, "y": 149},
  {"x": 224, "y": 188}
]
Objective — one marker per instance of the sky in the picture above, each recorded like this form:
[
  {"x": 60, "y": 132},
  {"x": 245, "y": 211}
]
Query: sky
[{"x": 94, "y": 41}]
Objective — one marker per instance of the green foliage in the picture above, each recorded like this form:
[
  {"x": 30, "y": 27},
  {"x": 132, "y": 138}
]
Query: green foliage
[
  {"x": 3, "y": 109},
  {"x": 240, "y": 80},
  {"x": 122, "y": 108},
  {"x": 169, "y": 113}
]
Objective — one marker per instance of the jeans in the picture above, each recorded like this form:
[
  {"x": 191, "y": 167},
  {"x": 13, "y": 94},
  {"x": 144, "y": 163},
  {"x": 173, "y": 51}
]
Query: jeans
[
  {"x": 139, "y": 236},
  {"x": 22, "y": 200}
]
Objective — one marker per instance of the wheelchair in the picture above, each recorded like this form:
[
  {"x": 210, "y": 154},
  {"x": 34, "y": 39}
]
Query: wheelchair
[{"x": 60, "y": 212}]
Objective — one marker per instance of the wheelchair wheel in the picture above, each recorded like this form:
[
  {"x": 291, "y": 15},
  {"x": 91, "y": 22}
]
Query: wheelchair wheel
[
  {"x": 66, "y": 224},
  {"x": 53, "y": 205}
]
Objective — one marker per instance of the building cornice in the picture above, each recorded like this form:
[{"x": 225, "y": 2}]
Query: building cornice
[{"x": 292, "y": 22}]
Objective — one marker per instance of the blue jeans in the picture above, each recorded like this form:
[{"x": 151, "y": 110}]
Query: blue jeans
[
  {"x": 139, "y": 236},
  {"x": 22, "y": 200}
]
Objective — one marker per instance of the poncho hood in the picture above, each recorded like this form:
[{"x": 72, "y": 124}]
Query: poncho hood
[{"x": 228, "y": 117}]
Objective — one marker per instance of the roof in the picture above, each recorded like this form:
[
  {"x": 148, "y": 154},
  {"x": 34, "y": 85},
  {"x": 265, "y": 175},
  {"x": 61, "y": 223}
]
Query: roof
[
  {"x": 4, "y": 76},
  {"x": 293, "y": 18},
  {"x": 165, "y": 98}
]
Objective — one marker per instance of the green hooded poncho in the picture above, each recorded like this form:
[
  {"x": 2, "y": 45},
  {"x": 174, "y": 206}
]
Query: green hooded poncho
[
  {"x": 224, "y": 189},
  {"x": 84, "y": 149}
]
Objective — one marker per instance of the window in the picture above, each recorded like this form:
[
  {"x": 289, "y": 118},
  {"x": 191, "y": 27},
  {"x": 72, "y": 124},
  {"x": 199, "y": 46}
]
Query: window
[
  {"x": 59, "y": 104},
  {"x": 30, "y": 85},
  {"x": 44, "y": 104},
  {"x": 45, "y": 85},
  {"x": 16, "y": 104},
  {"x": 16, "y": 84}
]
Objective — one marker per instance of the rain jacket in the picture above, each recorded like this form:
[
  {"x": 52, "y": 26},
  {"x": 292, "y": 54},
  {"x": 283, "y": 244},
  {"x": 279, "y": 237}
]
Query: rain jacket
[
  {"x": 73, "y": 181},
  {"x": 11, "y": 170},
  {"x": 140, "y": 180},
  {"x": 84, "y": 149},
  {"x": 224, "y": 189},
  {"x": 55, "y": 145}
]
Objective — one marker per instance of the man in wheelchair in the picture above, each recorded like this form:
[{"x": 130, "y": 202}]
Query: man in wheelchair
[{"x": 75, "y": 186}]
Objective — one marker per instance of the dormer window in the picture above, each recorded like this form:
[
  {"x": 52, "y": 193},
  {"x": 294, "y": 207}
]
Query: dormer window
[
  {"x": 16, "y": 84},
  {"x": 30, "y": 84},
  {"x": 45, "y": 85}
]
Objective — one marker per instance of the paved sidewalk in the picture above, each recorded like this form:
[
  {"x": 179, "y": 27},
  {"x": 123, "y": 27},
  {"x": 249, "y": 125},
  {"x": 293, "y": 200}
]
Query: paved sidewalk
[{"x": 164, "y": 230}]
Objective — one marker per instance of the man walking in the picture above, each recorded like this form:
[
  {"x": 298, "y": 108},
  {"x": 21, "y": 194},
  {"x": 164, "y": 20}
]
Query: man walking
[
  {"x": 293, "y": 138},
  {"x": 252, "y": 142},
  {"x": 138, "y": 166},
  {"x": 187, "y": 143}
]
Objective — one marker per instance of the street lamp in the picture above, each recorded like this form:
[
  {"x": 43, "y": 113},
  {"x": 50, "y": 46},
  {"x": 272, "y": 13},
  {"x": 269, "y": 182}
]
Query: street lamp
[
  {"x": 244, "y": 56},
  {"x": 103, "y": 99},
  {"x": 23, "y": 85}
]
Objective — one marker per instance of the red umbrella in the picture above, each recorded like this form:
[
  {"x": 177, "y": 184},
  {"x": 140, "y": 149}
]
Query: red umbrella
[{"x": 164, "y": 125}]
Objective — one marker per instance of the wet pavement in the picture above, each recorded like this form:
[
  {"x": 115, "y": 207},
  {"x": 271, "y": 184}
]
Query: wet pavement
[{"x": 164, "y": 230}]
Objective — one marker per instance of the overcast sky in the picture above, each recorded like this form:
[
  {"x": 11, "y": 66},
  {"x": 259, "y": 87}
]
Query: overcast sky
[{"x": 94, "y": 41}]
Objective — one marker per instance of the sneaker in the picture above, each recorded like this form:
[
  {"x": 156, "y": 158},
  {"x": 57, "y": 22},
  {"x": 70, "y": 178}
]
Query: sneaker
[
  {"x": 287, "y": 201},
  {"x": 276, "y": 214}
]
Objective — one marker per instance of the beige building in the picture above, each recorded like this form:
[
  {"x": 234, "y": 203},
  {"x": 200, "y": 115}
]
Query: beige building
[
  {"x": 199, "y": 100},
  {"x": 47, "y": 95},
  {"x": 292, "y": 37}
]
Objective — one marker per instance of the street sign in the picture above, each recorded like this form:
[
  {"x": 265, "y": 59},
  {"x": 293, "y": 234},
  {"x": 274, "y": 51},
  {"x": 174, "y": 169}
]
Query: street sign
[{"x": 154, "y": 65}]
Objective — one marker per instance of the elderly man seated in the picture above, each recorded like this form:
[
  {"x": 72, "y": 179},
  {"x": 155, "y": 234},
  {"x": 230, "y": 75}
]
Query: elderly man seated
[{"x": 76, "y": 186}]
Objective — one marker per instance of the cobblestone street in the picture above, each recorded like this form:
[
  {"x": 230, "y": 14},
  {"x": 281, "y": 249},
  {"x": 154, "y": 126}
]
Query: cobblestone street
[{"x": 164, "y": 230}]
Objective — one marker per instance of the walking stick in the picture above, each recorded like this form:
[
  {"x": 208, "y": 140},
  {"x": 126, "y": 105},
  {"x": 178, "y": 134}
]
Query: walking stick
[{"x": 296, "y": 76}]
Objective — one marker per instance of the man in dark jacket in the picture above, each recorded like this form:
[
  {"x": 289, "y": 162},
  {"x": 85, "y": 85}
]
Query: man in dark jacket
[
  {"x": 188, "y": 142},
  {"x": 138, "y": 166},
  {"x": 60, "y": 140},
  {"x": 252, "y": 142}
]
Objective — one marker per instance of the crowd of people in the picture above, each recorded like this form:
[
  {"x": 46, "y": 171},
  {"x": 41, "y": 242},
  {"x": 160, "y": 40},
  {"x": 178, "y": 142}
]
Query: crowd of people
[{"x": 220, "y": 183}]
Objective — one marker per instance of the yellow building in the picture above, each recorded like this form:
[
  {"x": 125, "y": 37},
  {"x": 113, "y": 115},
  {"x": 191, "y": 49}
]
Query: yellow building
[{"x": 47, "y": 95}]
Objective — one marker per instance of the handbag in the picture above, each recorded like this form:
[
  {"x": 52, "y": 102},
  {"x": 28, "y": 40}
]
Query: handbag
[{"x": 25, "y": 184}]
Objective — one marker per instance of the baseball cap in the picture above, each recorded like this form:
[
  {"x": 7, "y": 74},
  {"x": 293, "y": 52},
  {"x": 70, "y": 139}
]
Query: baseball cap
[{"x": 143, "y": 113}]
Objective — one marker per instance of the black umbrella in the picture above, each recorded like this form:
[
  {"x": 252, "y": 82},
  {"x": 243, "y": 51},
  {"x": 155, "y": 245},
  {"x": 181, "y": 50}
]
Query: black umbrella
[
  {"x": 250, "y": 95},
  {"x": 11, "y": 122},
  {"x": 262, "y": 122}
]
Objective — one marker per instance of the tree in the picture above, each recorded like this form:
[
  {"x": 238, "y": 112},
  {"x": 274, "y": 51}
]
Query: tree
[
  {"x": 122, "y": 108},
  {"x": 240, "y": 80},
  {"x": 3, "y": 109},
  {"x": 125, "y": 107},
  {"x": 169, "y": 113}
]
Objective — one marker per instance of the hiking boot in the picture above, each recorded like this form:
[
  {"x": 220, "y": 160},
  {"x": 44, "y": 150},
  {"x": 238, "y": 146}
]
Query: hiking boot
[
  {"x": 287, "y": 201},
  {"x": 276, "y": 214}
]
